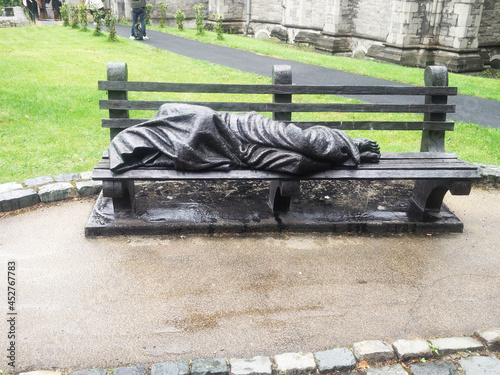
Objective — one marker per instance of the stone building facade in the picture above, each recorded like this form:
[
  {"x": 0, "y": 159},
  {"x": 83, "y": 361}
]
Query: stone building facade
[{"x": 461, "y": 34}]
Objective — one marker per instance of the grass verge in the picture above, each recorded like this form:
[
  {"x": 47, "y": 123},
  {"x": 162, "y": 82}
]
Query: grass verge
[{"x": 49, "y": 115}]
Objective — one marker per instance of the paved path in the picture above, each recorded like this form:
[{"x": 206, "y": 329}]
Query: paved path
[
  {"x": 469, "y": 109},
  {"x": 108, "y": 302}
]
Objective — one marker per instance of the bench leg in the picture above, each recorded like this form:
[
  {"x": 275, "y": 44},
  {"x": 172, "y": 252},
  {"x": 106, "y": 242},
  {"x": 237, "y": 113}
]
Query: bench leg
[
  {"x": 122, "y": 193},
  {"x": 281, "y": 193},
  {"x": 428, "y": 195}
]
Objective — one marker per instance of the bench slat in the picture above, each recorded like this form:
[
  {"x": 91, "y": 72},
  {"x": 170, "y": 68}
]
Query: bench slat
[
  {"x": 342, "y": 125},
  {"x": 285, "y": 107},
  {"x": 273, "y": 89},
  {"x": 396, "y": 156},
  {"x": 391, "y": 166},
  {"x": 340, "y": 174},
  {"x": 418, "y": 155},
  {"x": 442, "y": 164}
]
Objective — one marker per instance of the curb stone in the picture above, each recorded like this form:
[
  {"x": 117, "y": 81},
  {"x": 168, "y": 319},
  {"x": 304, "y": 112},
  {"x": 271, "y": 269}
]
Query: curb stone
[
  {"x": 456, "y": 344},
  {"x": 373, "y": 351},
  {"x": 439, "y": 367},
  {"x": 38, "y": 181},
  {"x": 339, "y": 359},
  {"x": 294, "y": 363},
  {"x": 253, "y": 366},
  {"x": 209, "y": 366},
  {"x": 490, "y": 337},
  {"x": 94, "y": 371},
  {"x": 132, "y": 370},
  {"x": 171, "y": 368},
  {"x": 10, "y": 186},
  {"x": 480, "y": 365},
  {"x": 411, "y": 349},
  {"x": 45, "y": 189},
  {"x": 387, "y": 370},
  {"x": 16, "y": 199},
  {"x": 57, "y": 192},
  {"x": 490, "y": 175}
]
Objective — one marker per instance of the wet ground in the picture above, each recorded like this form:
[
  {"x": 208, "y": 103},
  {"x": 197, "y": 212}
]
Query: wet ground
[{"x": 143, "y": 299}]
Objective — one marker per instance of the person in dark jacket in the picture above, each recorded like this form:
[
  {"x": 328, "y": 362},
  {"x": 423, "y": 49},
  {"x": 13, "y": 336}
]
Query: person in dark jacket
[{"x": 138, "y": 12}]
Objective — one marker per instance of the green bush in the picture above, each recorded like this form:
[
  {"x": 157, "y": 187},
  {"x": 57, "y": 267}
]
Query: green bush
[
  {"x": 110, "y": 21},
  {"x": 179, "y": 19},
  {"x": 75, "y": 16},
  {"x": 82, "y": 8},
  {"x": 65, "y": 14},
  {"x": 149, "y": 8},
  {"x": 218, "y": 26},
  {"x": 163, "y": 13},
  {"x": 98, "y": 16},
  {"x": 199, "y": 18}
]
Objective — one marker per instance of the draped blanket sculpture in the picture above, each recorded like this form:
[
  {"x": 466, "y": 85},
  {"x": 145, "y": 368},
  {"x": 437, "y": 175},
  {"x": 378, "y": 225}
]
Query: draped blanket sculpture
[{"x": 193, "y": 138}]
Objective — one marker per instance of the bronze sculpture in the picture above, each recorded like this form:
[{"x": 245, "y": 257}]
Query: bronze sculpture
[{"x": 191, "y": 137}]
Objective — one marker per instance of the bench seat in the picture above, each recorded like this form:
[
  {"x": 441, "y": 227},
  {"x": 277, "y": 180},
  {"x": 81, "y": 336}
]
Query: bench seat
[{"x": 392, "y": 166}]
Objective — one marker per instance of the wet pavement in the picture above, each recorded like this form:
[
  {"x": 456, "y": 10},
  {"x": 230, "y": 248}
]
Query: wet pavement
[{"x": 108, "y": 302}]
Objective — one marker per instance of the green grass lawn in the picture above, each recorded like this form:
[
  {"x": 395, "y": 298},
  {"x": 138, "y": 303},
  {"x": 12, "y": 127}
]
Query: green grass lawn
[{"x": 49, "y": 116}]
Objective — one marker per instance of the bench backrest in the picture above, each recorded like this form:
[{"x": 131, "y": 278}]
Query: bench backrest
[{"x": 434, "y": 106}]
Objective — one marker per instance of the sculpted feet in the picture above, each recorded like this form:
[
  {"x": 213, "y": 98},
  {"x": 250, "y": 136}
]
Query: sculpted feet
[{"x": 369, "y": 150}]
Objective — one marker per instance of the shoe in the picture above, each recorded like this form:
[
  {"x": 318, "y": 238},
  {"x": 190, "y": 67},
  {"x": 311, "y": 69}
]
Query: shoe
[
  {"x": 131, "y": 37},
  {"x": 145, "y": 37}
]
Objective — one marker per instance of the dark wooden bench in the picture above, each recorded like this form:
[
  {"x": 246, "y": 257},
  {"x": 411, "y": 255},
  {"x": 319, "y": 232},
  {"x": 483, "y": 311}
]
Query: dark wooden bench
[{"x": 434, "y": 171}]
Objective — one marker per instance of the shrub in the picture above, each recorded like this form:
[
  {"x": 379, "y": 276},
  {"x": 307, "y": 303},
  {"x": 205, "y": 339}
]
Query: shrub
[
  {"x": 218, "y": 26},
  {"x": 199, "y": 18},
  {"x": 179, "y": 19},
  {"x": 64, "y": 10},
  {"x": 82, "y": 8},
  {"x": 149, "y": 8},
  {"x": 163, "y": 13},
  {"x": 73, "y": 9},
  {"x": 110, "y": 21},
  {"x": 98, "y": 14}
]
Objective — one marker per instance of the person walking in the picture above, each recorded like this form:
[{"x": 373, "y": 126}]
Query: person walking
[{"x": 138, "y": 12}]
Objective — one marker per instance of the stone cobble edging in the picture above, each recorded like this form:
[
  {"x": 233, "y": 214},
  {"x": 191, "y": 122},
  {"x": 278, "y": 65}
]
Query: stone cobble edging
[
  {"x": 491, "y": 175},
  {"x": 15, "y": 195},
  {"x": 451, "y": 355}
]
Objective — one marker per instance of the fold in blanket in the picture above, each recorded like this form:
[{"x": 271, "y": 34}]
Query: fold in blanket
[{"x": 193, "y": 138}]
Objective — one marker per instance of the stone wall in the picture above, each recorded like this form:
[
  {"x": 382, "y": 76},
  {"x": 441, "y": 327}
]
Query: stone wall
[
  {"x": 489, "y": 30},
  {"x": 268, "y": 11},
  {"x": 371, "y": 19},
  {"x": 233, "y": 11},
  {"x": 434, "y": 32}
]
